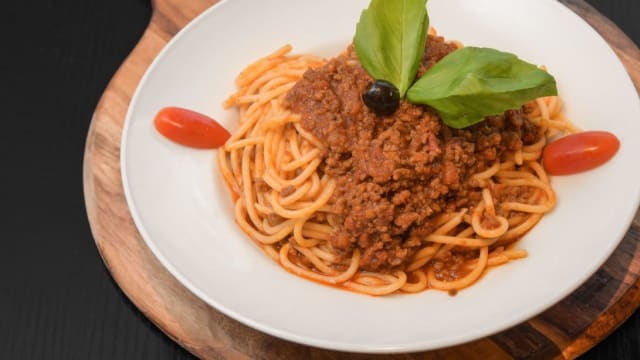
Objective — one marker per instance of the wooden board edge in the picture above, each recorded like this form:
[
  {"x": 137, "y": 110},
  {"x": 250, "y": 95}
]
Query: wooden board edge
[
  {"x": 629, "y": 54},
  {"x": 606, "y": 323},
  {"x": 89, "y": 186}
]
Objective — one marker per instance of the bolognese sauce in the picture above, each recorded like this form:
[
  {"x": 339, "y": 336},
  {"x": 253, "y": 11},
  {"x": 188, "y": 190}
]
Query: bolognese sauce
[{"x": 395, "y": 175}]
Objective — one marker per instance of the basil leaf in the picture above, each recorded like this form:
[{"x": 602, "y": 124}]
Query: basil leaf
[
  {"x": 472, "y": 83},
  {"x": 390, "y": 39}
]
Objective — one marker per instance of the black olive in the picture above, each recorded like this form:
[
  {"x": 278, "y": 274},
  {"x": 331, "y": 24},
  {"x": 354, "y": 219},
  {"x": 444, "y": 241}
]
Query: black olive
[{"x": 382, "y": 97}]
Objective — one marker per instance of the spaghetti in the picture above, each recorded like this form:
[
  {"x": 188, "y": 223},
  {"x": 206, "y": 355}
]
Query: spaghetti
[{"x": 285, "y": 199}]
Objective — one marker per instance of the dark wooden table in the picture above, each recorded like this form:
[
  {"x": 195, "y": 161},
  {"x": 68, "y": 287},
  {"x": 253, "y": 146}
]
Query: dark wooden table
[{"x": 57, "y": 299}]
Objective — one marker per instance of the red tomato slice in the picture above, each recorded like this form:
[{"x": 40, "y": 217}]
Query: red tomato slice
[
  {"x": 579, "y": 152},
  {"x": 190, "y": 128}
]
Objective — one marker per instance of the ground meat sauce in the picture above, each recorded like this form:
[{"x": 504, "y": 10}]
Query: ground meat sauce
[{"x": 395, "y": 174}]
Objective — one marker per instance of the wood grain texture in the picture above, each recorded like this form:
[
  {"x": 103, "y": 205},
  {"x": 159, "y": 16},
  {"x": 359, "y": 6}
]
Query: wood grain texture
[{"x": 566, "y": 330}]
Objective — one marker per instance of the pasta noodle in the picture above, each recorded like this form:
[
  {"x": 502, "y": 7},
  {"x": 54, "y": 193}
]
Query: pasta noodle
[{"x": 283, "y": 202}]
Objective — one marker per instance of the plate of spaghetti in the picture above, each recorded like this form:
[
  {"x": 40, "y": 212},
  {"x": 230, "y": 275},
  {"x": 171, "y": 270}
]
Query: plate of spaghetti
[{"x": 383, "y": 186}]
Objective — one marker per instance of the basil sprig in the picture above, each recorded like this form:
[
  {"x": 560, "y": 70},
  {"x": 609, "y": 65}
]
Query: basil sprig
[
  {"x": 472, "y": 83},
  {"x": 390, "y": 38},
  {"x": 464, "y": 87}
]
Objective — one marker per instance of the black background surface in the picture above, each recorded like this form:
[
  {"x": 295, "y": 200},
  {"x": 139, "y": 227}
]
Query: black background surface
[{"x": 57, "y": 300}]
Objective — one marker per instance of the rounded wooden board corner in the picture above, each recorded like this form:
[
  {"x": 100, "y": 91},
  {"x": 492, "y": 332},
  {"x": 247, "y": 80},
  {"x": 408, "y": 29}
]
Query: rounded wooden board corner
[{"x": 566, "y": 330}]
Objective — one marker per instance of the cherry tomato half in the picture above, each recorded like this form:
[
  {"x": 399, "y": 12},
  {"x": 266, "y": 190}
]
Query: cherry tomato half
[
  {"x": 579, "y": 152},
  {"x": 190, "y": 128}
]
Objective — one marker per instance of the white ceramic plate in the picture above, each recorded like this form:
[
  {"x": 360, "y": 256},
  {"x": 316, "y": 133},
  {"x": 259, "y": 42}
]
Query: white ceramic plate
[{"x": 183, "y": 210}]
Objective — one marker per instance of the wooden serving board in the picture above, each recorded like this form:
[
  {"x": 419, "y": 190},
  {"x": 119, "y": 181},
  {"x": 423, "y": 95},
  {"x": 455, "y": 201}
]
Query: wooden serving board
[{"x": 566, "y": 330}]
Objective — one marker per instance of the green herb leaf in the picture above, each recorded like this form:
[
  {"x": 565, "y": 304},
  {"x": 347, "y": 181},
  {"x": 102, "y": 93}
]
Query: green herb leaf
[
  {"x": 472, "y": 83},
  {"x": 390, "y": 39}
]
